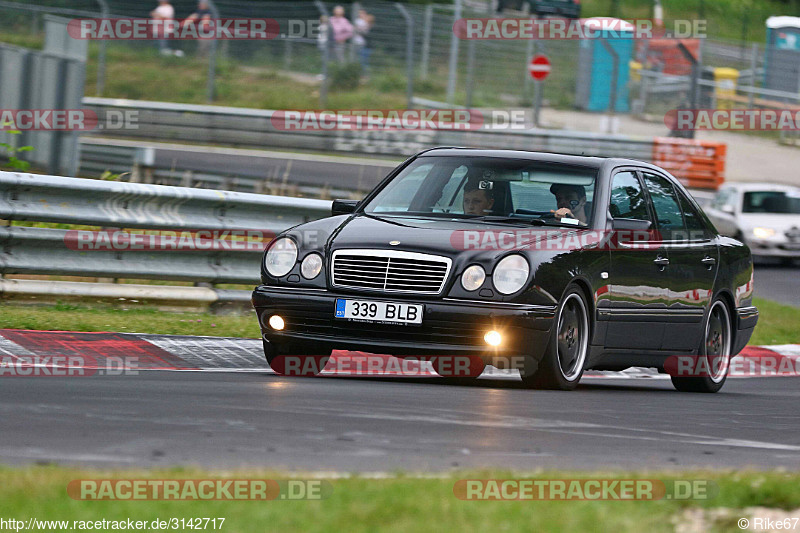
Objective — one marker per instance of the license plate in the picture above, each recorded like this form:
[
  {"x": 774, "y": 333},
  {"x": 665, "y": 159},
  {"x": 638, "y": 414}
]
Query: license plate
[{"x": 385, "y": 312}]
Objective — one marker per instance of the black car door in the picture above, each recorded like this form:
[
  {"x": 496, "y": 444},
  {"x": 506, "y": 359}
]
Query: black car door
[
  {"x": 636, "y": 296},
  {"x": 692, "y": 262}
]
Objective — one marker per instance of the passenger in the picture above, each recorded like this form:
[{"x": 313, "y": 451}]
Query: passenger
[{"x": 477, "y": 201}]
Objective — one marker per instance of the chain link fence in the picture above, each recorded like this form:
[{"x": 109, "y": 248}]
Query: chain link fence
[{"x": 655, "y": 76}]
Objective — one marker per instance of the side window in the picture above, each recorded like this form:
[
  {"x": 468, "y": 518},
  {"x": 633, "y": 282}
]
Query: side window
[
  {"x": 695, "y": 223},
  {"x": 666, "y": 206},
  {"x": 627, "y": 199}
]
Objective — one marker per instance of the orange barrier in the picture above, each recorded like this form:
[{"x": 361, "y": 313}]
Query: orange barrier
[
  {"x": 697, "y": 164},
  {"x": 665, "y": 56}
]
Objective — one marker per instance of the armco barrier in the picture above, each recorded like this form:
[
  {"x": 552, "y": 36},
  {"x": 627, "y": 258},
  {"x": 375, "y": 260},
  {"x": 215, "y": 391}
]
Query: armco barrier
[
  {"x": 165, "y": 121},
  {"x": 698, "y": 164},
  {"x": 138, "y": 205},
  {"x": 236, "y": 169},
  {"x": 35, "y": 250}
]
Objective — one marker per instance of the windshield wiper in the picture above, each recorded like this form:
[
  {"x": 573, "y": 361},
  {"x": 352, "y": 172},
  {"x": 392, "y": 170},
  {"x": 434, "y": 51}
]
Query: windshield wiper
[
  {"x": 526, "y": 221},
  {"x": 499, "y": 219}
]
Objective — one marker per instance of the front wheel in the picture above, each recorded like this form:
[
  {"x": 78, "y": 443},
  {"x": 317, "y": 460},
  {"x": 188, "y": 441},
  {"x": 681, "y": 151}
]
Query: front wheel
[
  {"x": 562, "y": 366},
  {"x": 715, "y": 349}
]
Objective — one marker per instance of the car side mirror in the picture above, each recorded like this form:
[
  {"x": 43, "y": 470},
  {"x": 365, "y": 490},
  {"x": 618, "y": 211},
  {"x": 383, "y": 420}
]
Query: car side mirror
[
  {"x": 343, "y": 207},
  {"x": 630, "y": 224},
  {"x": 727, "y": 208}
]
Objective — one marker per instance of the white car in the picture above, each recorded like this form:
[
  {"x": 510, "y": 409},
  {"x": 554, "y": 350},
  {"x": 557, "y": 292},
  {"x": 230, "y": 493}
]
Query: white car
[{"x": 765, "y": 217}]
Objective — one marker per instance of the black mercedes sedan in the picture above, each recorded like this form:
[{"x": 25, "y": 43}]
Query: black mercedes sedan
[{"x": 550, "y": 264}]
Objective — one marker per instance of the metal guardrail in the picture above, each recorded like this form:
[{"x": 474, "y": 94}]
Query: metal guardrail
[
  {"x": 245, "y": 170},
  {"x": 138, "y": 205},
  {"x": 232, "y": 126},
  {"x": 36, "y": 250}
]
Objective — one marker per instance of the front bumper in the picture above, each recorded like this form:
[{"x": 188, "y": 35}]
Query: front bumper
[
  {"x": 449, "y": 326},
  {"x": 774, "y": 248}
]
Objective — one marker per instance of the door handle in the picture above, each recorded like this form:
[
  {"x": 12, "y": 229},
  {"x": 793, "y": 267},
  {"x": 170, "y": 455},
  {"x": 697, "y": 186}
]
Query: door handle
[
  {"x": 709, "y": 262},
  {"x": 662, "y": 262}
]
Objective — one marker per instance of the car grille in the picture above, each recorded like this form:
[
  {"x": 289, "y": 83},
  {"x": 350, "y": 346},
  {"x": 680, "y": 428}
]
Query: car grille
[{"x": 390, "y": 271}]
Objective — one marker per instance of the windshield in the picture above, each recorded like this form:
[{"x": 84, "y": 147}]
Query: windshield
[
  {"x": 482, "y": 187},
  {"x": 775, "y": 202}
]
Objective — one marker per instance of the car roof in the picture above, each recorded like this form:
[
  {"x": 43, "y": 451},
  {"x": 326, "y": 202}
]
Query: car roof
[{"x": 544, "y": 157}]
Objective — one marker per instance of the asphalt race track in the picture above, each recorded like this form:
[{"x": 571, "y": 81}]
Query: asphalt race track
[
  {"x": 779, "y": 283},
  {"x": 229, "y": 419}
]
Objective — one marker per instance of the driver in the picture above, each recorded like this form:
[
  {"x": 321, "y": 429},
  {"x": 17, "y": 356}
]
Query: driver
[
  {"x": 571, "y": 201},
  {"x": 477, "y": 201}
]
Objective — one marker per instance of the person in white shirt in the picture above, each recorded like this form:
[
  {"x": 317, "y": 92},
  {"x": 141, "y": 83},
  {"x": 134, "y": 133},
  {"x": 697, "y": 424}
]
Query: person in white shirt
[{"x": 163, "y": 12}]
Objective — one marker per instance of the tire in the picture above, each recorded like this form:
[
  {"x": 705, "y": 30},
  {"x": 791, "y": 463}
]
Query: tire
[
  {"x": 716, "y": 348},
  {"x": 310, "y": 359},
  {"x": 564, "y": 359}
]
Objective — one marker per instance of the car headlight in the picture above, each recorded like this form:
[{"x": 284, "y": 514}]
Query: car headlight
[
  {"x": 763, "y": 233},
  {"x": 473, "y": 277},
  {"x": 511, "y": 274},
  {"x": 281, "y": 257},
  {"x": 311, "y": 266}
]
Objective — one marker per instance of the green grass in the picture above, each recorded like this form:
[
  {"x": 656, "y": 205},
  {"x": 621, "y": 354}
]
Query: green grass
[
  {"x": 67, "y": 317},
  {"x": 777, "y": 323},
  {"x": 142, "y": 74},
  {"x": 398, "y": 503},
  {"x": 725, "y": 17}
]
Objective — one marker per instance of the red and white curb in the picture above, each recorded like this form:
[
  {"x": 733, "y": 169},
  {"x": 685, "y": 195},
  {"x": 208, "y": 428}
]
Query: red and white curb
[{"x": 222, "y": 354}]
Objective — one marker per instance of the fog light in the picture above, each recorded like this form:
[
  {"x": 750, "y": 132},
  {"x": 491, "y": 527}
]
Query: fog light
[
  {"x": 493, "y": 338},
  {"x": 276, "y": 322}
]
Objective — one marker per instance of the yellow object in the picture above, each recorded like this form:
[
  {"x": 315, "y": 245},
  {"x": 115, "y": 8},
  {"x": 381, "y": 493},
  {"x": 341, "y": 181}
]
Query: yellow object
[
  {"x": 635, "y": 71},
  {"x": 493, "y": 338},
  {"x": 725, "y": 80},
  {"x": 276, "y": 322}
]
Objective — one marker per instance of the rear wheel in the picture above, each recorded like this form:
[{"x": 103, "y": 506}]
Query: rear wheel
[
  {"x": 561, "y": 367},
  {"x": 715, "y": 348},
  {"x": 296, "y": 359}
]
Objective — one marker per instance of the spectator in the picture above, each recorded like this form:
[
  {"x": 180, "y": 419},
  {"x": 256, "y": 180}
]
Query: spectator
[
  {"x": 342, "y": 32},
  {"x": 161, "y": 14},
  {"x": 322, "y": 36},
  {"x": 201, "y": 17},
  {"x": 362, "y": 25}
]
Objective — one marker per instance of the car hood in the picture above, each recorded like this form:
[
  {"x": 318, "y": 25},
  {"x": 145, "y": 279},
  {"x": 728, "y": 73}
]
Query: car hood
[
  {"x": 779, "y": 223},
  {"x": 443, "y": 237}
]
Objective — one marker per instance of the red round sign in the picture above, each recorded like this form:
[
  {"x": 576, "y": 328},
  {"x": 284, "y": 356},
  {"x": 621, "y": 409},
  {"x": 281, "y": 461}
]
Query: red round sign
[{"x": 539, "y": 67}]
